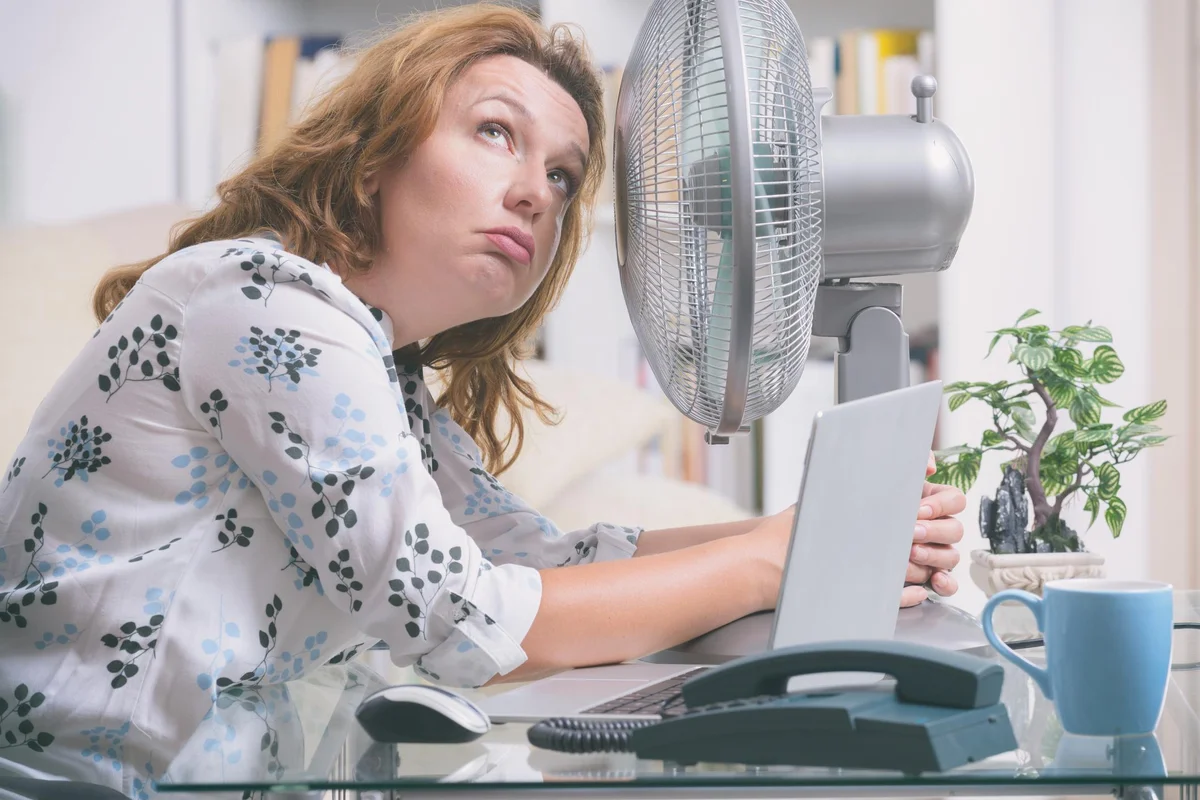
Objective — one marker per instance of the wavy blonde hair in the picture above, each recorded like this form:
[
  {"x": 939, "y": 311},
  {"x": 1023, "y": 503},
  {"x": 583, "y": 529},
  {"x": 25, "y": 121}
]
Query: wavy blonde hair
[{"x": 308, "y": 189}]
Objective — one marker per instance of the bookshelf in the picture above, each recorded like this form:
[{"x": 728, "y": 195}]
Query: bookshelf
[{"x": 205, "y": 30}]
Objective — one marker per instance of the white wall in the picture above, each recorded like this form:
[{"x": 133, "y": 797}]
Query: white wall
[
  {"x": 86, "y": 108},
  {"x": 1050, "y": 99}
]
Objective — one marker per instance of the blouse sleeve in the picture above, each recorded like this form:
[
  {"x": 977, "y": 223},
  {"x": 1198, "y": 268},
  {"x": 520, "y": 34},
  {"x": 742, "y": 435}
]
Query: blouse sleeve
[
  {"x": 294, "y": 367},
  {"x": 506, "y": 529}
]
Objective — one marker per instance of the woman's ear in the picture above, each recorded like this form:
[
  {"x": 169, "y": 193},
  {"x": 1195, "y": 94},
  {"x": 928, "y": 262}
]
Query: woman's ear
[{"x": 371, "y": 184}]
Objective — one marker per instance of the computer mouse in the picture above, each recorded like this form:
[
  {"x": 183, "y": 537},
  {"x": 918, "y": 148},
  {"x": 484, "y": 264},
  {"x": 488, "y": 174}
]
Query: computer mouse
[{"x": 419, "y": 713}]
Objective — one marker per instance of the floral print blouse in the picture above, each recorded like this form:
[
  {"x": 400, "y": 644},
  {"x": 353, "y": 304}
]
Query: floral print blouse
[{"x": 231, "y": 484}]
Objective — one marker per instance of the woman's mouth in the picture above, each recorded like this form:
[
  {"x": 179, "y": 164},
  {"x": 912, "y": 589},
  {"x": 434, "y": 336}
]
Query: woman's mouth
[{"x": 514, "y": 243}]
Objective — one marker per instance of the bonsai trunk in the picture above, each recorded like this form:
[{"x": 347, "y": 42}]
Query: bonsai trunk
[{"x": 1043, "y": 510}]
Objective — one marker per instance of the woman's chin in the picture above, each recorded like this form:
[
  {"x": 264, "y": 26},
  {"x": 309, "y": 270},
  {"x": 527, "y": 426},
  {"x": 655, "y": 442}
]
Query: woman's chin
[{"x": 495, "y": 285}]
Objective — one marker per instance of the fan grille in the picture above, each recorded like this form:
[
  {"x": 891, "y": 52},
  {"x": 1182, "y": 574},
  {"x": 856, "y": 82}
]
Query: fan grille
[{"x": 675, "y": 211}]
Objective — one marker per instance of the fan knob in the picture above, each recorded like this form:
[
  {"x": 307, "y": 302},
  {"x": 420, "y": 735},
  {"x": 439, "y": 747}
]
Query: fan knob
[{"x": 923, "y": 88}]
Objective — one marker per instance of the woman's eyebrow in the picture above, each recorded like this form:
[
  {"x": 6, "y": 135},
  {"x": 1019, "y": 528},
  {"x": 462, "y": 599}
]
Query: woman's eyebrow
[
  {"x": 520, "y": 110},
  {"x": 509, "y": 101}
]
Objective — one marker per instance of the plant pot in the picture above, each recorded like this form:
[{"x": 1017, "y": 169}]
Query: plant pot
[{"x": 1030, "y": 571}]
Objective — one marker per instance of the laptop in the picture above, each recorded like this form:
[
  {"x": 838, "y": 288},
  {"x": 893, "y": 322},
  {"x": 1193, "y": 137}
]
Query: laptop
[{"x": 863, "y": 475}]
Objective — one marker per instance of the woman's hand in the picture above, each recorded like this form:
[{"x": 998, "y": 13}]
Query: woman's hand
[
  {"x": 769, "y": 541},
  {"x": 937, "y": 531}
]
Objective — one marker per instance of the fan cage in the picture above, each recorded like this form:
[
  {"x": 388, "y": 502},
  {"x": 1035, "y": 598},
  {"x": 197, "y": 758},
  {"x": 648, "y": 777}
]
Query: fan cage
[{"x": 676, "y": 211}]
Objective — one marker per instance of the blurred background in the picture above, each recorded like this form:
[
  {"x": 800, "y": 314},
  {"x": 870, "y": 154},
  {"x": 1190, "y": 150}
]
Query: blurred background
[{"x": 1080, "y": 117}]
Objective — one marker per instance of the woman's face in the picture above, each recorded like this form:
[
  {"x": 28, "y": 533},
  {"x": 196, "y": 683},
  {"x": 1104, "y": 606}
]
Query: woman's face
[{"x": 471, "y": 221}]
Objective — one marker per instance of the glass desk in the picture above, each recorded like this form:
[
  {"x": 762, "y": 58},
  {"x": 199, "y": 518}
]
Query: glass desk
[{"x": 307, "y": 743}]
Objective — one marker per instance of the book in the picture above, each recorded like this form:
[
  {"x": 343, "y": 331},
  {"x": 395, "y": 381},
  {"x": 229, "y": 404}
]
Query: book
[
  {"x": 822, "y": 67},
  {"x": 875, "y": 49},
  {"x": 846, "y": 94},
  {"x": 239, "y": 67},
  {"x": 319, "y": 65},
  {"x": 896, "y": 86},
  {"x": 279, "y": 66}
]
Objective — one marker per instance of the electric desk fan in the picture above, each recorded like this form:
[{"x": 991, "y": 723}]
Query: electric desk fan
[{"x": 742, "y": 213}]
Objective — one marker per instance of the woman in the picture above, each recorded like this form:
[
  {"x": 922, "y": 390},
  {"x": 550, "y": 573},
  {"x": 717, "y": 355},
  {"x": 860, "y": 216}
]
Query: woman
[{"x": 237, "y": 481}]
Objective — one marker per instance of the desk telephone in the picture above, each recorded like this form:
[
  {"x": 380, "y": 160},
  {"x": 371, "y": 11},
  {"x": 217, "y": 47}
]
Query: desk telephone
[{"x": 943, "y": 710}]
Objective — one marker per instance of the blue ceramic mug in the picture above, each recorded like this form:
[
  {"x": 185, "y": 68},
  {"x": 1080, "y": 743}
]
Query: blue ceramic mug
[{"x": 1108, "y": 651}]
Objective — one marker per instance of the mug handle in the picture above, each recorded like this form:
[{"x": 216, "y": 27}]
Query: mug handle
[{"x": 1034, "y": 604}]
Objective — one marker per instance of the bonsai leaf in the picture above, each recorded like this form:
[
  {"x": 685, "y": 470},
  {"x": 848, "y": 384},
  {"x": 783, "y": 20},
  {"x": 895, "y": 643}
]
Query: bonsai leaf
[
  {"x": 957, "y": 400},
  {"x": 941, "y": 455},
  {"x": 961, "y": 473},
  {"x": 1147, "y": 413},
  {"x": 1033, "y": 312},
  {"x": 943, "y": 474},
  {"x": 957, "y": 386},
  {"x": 1061, "y": 391},
  {"x": 1063, "y": 439},
  {"x": 1094, "y": 434},
  {"x": 995, "y": 340},
  {"x": 1110, "y": 481},
  {"x": 1092, "y": 505},
  {"x": 968, "y": 469},
  {"x": 1037, "y": 335},
  {"x": 1134, "y": 429},
  {"x": 1070, "y": 363},
  {"x": 1153, "y": 441},
  {"x": 1033, "y": 358},
  {"x": 1085, "y": 409},
  {"x": 1115, "y": 516},
  {"x": 1092, "y": 334},
  {"x": 991, "y": 438},
  {"x": 1058, "y": 470},
  {"x": 1106, "y": 366},
  {"x": 1025, "y": 421},
  {"x": 1055, "y": 481}
]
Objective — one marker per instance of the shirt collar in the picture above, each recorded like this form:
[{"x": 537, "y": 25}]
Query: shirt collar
[
  {"x": 385, "y": 322},
  {"x": 381, "y": 316}
]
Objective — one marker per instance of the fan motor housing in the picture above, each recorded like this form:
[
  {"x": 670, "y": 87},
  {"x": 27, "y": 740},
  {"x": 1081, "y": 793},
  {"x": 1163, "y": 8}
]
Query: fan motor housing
[{"x": 898, "y": 195}]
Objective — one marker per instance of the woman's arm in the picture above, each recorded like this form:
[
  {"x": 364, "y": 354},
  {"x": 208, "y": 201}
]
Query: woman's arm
[
  {"x": 619, "y": 610},
  {"x": 666, "y": 540}
]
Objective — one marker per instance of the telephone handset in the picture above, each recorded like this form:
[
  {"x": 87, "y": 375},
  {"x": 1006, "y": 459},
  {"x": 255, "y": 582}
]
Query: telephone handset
[
  {"x": 942, "y": 711},
  {"x": 924, "y": 675}
]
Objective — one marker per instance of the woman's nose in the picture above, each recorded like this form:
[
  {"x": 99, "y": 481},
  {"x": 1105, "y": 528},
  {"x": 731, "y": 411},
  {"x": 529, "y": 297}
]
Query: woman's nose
[{"x": 530, "y": 192}]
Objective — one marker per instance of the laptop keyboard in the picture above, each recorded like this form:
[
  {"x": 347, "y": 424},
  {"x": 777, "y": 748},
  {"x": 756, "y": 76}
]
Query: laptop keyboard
[{"x": 664, "y": 698}]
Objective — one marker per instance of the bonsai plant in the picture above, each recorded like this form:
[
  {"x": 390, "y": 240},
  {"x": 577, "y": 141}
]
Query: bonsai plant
[{"x": 1050, "y": 466}]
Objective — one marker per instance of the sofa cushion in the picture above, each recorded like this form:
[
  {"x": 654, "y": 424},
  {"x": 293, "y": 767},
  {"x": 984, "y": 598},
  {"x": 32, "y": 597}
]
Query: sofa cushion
[
  {"x": 601, "y": 420},
  {"x": 50, "y": 272},
  {"x": 649, "y": 501}
]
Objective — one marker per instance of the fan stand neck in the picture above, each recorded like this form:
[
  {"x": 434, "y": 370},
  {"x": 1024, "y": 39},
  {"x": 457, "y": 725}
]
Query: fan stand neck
[{"x": 872, "y": 346}]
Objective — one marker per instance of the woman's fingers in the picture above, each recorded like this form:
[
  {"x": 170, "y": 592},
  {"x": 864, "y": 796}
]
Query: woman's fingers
[
  {"x": 934, "y": 535},
  {"x": 912, "y": 595},
  {"x": 941, "y": 501},
  {"x": 944, "y": 583},
  {"x": 934, "y": 556},
  {"x": 938, "y": 531},
  {"x": 917, "y": 573}
]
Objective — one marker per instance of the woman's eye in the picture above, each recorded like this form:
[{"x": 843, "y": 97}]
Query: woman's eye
[
  {"x": 563, "y": 181},
  {"x": 493, "y": 132}
]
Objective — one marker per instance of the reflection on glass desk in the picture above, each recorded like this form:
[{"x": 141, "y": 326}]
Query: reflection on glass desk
[{"x": 300, "y": 739}]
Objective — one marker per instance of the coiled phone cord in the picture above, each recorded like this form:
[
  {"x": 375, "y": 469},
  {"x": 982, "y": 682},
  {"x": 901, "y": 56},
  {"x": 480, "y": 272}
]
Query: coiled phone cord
[{"x": 570, "y": 735}]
